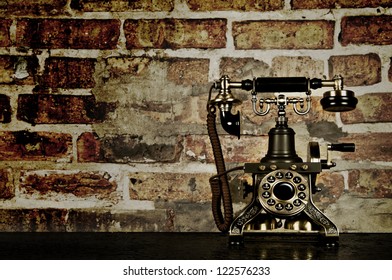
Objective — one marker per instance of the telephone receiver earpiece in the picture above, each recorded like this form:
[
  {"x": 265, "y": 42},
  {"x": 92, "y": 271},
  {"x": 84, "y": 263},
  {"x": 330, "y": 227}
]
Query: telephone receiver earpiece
[
  {"x": 225, "y": 102},
  {"x": 230, "y": 122},
  {"x": 339, "y": 101}
]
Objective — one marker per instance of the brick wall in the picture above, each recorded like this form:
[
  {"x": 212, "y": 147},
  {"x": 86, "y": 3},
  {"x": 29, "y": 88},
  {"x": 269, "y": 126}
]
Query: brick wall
[{"x": 102, "y": 107}]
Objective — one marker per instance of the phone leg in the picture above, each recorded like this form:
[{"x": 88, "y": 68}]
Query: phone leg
[
  {"x": 237, "y": 227},
  {"x": 331, "y": 232}
]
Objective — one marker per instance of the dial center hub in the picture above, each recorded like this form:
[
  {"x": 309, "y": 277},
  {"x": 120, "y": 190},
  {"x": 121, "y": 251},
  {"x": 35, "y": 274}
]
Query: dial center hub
[{"x": 284, "y": 191}]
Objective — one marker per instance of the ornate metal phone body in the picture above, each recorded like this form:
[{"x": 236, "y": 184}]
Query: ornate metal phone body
[{"x": 282, "y": 182}]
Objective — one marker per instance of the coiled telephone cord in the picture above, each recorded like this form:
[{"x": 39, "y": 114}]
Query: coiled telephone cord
[{"x": 219, "y": 183}]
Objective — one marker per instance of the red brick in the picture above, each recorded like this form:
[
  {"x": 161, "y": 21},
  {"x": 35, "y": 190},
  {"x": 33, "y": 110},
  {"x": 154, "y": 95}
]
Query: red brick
[
  {"x": 236, "y": 5},
  {"x": 371, "y": 183},
  {"x": 89, "y": 147},
  {"x": 68, "y": 33},
  {"x": 19, "y": 70},
  {"x": 5, "y": 109},
  {"x": 357, "y": 70},
  {"x": 82, "y": 184},
  {"x": 5, "y": 40},
  {"x": 64, "y": 109},
  {"x": 371, "y": 108},
  {"x": 34, "y": 8},
  {"x": 125, "y": 149},
  {"x": 272, "y": 34},
  {"x": 371, "y": 30},
  {"x": 175, "y": 33},
  {"x": 122, "y": 5},
  {"x": 369, "y": 146},
  {"x": 332, "y": 4},
  {"x": 68, "y": 73},
  {"x": 7, "y": 187},
  {"x": 44, "y": 146}
]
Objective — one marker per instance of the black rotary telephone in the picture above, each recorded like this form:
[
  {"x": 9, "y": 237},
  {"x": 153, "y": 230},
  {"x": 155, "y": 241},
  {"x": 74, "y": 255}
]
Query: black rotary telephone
[{"x": 283, "y": 183}]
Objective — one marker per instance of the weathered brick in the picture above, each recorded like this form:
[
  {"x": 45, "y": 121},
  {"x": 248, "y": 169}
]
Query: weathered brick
[
  {"x": 7, "y": 187},
  {"x": 40, "y": 7},
  {"x": 89, "y": 147},
  {"x": 371, "y": 108},
  {"x": 390, "y": 72},
  {"x": 5, "y": 109},
  {"x": 282, "y": 66},
  {"x": 236, "y": 5},
  {"x": 122, "y": 5},
  {"x": 68, "y": 73},
  {"x": 180, "y": 71},
  {"x": 373, "y": 30},
  {"x": 272, "y": 34},
  {"x": 371, "y": 183},
  {"x": 84, "y": 220},
  {"x": 162, "y": 92},
  {"x": 297, "y": 66},
  {"x": 247, "y": 149},
  {"x": 332, "y": 4},
  {"x": 24, "y": 145},
  {"x": 188, "y": 217},
  {"x": 332, "y": 188},
  {"x": 243, "y": 68},
  {"x": 327, "y": 130},
  {"x": 19, "y": 70},
  {"x": 188, "y": 71},
  {"x": 357, "y": 70},
  {"x": 5, "y": 40},
  {"x": 80, "y": 220},
  {"x": 68, "y": 33},
  {"x": 175, "y": 33},
  {"x": 81, "y": 184},
  {"x": 65, "y": 109},
  {"x": 369, "y": 146},
  {"x": 183, "y": 187},
  {"x": 125, "y": 149},
  {"x": 33, "y": 220}
]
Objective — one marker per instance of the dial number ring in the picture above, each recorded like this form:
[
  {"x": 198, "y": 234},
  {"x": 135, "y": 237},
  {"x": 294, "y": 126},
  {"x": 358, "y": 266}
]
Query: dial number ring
[{"x": 287, "y": 194}]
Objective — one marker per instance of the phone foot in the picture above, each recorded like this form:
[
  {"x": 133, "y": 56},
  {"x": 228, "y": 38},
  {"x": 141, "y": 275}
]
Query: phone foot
[{"x": 235, "y": 241}]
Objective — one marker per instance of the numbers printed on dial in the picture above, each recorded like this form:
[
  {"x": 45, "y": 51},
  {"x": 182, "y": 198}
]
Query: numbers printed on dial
[
  {"x": 271, "y": 179},
  {"x": 243, "y": 270},
  {"x": 266, "y": 186},
  {"x": 266, "y": 194}
]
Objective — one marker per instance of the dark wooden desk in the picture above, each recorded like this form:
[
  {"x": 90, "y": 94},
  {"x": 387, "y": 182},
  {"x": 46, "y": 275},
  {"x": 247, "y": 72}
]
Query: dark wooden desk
[{"x": 186, "y": 246}]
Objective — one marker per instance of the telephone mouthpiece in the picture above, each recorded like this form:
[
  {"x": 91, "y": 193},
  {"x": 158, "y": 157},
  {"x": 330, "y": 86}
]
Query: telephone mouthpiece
[{"x": 339, "y": 101}]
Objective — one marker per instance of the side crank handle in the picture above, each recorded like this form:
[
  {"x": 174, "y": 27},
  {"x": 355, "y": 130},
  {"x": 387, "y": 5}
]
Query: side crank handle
[{"x": 342, "y": 147}]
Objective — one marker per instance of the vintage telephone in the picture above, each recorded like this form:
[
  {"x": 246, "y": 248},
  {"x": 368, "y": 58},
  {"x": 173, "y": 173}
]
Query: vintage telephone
[{"x": 282, "y": 183}]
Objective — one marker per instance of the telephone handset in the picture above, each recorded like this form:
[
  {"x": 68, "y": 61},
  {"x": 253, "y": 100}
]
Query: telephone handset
[{"x": 283, "y": 184}]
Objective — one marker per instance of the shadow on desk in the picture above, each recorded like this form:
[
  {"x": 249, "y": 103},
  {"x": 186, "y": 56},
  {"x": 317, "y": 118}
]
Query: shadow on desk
[{"x": 185, "y": 246}]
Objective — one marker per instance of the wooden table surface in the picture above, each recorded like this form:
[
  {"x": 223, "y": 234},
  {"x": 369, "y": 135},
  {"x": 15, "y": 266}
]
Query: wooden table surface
[{"x": 186, "y": 246}]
